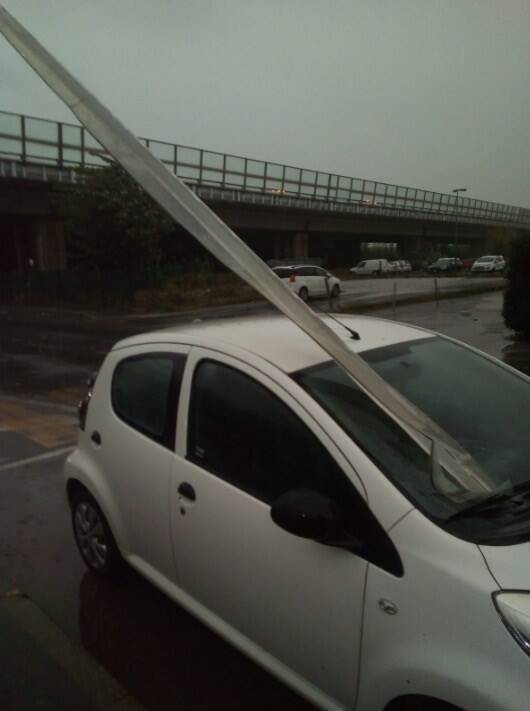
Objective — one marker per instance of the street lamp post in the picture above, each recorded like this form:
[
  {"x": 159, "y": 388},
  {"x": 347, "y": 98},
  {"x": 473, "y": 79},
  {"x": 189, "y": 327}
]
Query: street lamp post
[{"x": 456, "y": 192}]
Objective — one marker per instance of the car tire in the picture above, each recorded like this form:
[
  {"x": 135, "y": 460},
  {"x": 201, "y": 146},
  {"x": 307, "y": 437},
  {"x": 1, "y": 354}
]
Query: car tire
[
  {"x": 93, "y": 536},
  {"x": 335, "y": 292},
  {"x": 303, "y": 294}
]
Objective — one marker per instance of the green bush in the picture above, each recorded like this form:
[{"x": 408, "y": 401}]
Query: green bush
[
  {"x": 516, "y": 310},
  {"x": 111, "y": 223}
]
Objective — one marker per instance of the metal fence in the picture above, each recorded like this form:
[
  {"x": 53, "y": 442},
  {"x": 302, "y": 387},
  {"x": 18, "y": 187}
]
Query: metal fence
[{"x": 64, "y": 146}]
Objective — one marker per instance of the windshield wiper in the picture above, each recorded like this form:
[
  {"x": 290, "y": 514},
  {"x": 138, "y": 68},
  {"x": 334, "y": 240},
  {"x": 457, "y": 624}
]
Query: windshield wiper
[{"x": 517, "y": 498}]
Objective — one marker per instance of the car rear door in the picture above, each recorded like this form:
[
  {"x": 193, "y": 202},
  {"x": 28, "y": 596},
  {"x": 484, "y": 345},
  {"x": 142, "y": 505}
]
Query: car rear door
[
  {"x": 131, "y": 425},
  {"x": 293, "y": 604},
  {"x": 321, "y": 277},
  {"x": 305, "y": 276}
]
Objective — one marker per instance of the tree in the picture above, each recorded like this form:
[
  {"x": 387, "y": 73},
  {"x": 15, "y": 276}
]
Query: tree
[
  {"x": 516, "y": 310},
  {"x": 112, "y": 223}
]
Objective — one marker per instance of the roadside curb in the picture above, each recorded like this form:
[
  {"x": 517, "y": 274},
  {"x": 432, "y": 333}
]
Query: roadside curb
[
  {"x": 370, "y": 305},
  {"x": 46, "y": 644}
]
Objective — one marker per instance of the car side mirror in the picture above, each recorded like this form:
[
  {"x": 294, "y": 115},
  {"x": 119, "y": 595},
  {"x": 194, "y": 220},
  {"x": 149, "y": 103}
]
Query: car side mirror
[{"x": 309, "y": 514}]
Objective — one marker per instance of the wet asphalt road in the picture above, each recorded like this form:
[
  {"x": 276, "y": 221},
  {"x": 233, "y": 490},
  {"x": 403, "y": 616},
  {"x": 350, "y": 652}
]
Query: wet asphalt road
[{"x": 155, "y": 649}]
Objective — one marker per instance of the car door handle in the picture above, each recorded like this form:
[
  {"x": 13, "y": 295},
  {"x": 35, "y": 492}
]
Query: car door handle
[
  {"x": 96, "y": 437},
  {"x": 187, "y": 491}
]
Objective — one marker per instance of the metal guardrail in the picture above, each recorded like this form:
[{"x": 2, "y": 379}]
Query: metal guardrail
[{"x": 40, "y": 144}]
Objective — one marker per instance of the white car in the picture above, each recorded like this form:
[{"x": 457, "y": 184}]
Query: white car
[
  {"x": 309, "y": 281},
  {"x": 489, "y": 263},
  {"x": 373, "y": 266},
  {"x": 245, "y": 474},
  {"x": 401, "y": 266}
]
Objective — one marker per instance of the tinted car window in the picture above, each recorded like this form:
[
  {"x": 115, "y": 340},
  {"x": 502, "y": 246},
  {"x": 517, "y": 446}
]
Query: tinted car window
[
  {"x": 240, "y": 431},
  {"x": 145, "y": 393},
  {"x": 283, "y": 272},
  {"x": 305, "y": 271}
]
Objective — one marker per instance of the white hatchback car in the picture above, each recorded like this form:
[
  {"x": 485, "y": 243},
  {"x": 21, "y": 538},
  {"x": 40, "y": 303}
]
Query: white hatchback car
[
  {"x": 489, "y": 263},
  {"x": 309, "y": 281},
  {"x": 245, "y": 474}
]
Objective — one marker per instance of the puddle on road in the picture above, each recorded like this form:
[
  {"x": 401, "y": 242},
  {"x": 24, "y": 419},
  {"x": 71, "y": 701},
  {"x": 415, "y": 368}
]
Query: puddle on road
[{"x": 517, "y": 353}]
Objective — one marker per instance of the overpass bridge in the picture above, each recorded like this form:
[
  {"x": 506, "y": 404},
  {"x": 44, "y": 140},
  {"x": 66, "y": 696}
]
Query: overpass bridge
[{"x": 281, "y": 210}]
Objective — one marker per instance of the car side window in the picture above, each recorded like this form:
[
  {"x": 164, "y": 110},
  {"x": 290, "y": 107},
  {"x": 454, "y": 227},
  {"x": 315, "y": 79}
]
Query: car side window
[
  {"x": 283, "y": 273},
  {"x": 304, "y": 271},
  {"x": 244, "y": 434},
  {"x": 145, "y": 390}
]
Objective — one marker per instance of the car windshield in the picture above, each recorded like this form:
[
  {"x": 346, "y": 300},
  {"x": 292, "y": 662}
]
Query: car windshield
[
  {"x": 485, "y": 407},
  {"x": 486, "y": 259}
]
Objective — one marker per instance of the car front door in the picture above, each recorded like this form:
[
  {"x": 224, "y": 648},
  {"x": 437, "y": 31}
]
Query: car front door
[{"x": 293, "y": 604}]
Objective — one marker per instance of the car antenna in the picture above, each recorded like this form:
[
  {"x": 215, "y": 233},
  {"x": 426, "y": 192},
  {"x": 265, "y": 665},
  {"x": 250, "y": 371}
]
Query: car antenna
[{"x": 354, "y": 334}]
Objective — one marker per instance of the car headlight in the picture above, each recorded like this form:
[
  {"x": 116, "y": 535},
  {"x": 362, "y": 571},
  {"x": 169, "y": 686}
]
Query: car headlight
[{"x": 514, "y": 609}]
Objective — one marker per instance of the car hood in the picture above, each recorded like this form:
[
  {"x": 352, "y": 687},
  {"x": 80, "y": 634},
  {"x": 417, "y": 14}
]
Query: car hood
[{"x": 509, "y": 565}]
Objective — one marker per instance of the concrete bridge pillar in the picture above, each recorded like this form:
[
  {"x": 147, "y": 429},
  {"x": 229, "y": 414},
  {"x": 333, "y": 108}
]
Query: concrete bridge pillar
[
  {"x": 300, "y": 244},
  {"x": 412, "y": 246},
  {"x": 49, "y": 247},
  {"x": 279, "y": 247},
  {"x": 354, "y": 253}
]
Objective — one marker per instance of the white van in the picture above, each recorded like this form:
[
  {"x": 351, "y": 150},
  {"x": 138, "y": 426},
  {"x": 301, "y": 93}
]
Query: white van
[{"x": 373, "y": 266}]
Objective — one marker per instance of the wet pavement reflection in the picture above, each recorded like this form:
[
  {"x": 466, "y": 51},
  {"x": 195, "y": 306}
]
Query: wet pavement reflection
[
  {"x": 165, "y": 657},
  {"x": 476, "y": 320},
  {"x": 517, "y": 353}
]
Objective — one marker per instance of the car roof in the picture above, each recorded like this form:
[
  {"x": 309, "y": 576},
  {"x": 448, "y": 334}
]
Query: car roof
[{"x": 277, "y": 339}]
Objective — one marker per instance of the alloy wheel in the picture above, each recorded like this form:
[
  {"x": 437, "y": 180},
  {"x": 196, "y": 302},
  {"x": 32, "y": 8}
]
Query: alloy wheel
[{"x": 90, "y": 534}]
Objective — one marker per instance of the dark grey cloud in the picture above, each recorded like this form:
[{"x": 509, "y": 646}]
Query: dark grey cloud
[{"x": 430, "y": 93}]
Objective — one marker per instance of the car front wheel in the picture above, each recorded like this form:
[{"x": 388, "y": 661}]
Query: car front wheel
[{"x": 93, "y": 536}]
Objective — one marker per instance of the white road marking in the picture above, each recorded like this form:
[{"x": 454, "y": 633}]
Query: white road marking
[{"x": 38, "y": 458}]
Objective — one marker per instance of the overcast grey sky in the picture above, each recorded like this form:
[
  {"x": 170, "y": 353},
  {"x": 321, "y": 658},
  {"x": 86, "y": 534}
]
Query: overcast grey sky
[{"x": 427, "y": 93}]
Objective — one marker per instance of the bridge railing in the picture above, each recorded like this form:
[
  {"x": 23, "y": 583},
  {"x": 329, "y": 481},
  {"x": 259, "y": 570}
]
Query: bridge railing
[{"x": 63, "y": 145}]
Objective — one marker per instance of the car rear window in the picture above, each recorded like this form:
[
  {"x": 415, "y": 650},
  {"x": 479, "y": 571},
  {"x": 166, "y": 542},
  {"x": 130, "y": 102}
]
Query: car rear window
[{"x": 283, "y": 272}]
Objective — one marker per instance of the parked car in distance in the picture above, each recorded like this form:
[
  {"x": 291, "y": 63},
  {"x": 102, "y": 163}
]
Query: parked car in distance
[
  {"x": 446, "y": 264},
  {"x": 373, "y": 266},
  {"x": 489, "y": 263},
  {"x": 402, "y": 265},
  {"x": 243, "y": 472},
  {"x": 309, "y": 281},
  {"x": 370, "y": 202}
]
